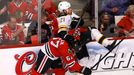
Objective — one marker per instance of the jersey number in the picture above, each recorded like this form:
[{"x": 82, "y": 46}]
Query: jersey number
[{"x": 56, "y": 43}]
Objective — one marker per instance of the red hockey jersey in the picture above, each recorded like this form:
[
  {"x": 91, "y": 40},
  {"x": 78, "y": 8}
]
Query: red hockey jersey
[
  {"x": 7, "y": 34},
  {"x": 54, "y": 23},
  {"x": 56, "y": 47},
  {"x": 17, "y": 10},
  {"x": 49, "y": 6},
  {"x": 31, "y": 12}
]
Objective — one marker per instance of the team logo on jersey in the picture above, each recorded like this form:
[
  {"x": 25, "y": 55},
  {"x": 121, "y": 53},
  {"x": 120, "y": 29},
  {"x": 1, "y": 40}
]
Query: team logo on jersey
[{"x": 25, "y": 60}]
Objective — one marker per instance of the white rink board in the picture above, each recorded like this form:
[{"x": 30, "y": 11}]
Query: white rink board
[
  {"x": 122, "y": 72},
  {"x": 113, "y": 64},
  {"x": 11, "y": 59}
]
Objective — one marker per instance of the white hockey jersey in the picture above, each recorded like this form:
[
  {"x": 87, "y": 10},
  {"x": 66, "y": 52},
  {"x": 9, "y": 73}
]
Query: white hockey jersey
[{"x": 64, "y": 22}]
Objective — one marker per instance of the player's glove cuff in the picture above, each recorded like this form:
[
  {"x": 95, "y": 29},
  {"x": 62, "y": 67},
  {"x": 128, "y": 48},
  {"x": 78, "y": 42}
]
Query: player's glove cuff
[
  {"x": 86, "y": 71},
  {"x": 112, "y": 46}
]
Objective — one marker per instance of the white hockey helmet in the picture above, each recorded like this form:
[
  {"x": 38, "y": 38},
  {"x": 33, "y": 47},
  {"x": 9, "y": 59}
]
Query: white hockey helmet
[{"x": 63, "y": 6}]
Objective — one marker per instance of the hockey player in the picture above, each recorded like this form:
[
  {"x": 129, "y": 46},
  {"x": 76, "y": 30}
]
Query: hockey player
[
  {"x": 49, "y": 6},
  {"x": 51, "y": 10},
  {"x": 68, "y": 21},
  {"x": 63, "y": 28},
  {"x": 65, "y": 9},
  {"x": 57, "y": 48},
  {"x": 72, "y": 20}
]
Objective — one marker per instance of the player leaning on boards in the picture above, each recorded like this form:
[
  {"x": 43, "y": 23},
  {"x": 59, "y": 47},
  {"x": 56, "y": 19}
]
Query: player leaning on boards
[
  {"x": 57, "y": 48},
  {"x": 69, "y": 21}
]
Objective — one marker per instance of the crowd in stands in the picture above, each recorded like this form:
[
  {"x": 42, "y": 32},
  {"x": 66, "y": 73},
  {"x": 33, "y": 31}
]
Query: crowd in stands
[
  {"x": 21, "y": 12},
  {"x": 118, "y": 8},
  {"x": 126, "y": 24}
]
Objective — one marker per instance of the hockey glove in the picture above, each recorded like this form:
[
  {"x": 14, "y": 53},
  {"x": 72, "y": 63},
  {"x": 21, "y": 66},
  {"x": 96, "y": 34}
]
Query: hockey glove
[
  {"x": 112, "y": 46},
  {"x": 86, "y": 71}
]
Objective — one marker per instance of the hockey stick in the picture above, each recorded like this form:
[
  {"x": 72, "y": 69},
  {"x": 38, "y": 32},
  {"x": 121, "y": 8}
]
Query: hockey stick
[
  {"x": 108, "y": 53},
  {"x": 82, "y": 14},
  {"x": 111, "y": 49}
]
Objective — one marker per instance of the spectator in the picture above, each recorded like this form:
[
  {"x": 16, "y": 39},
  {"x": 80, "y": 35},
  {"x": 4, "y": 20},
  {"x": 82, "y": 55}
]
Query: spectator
[
  {"x": 31, "y": 11},
  {"x": 3, "y": 7},
  {"x": 115, "y": 7},
  {"x": 105, "y": 25},
  {"x": 3, "y": 11},
  {"x": 33, "y": 30},
  {"x": 126, "y": 24},
  {"x": 89, "y": 8},
  {"x": 17, "y": 8},
  {"x": 33, "y": 3},
  {"x": 12, "y": 33}
]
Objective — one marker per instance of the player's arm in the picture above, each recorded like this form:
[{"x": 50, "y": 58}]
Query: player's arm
[
  {"x": 70, "y": 61},
  {"x": 18, "y": 31},
  {"x": 100, "y": 38},
  {"x": 3, "y": 10}
]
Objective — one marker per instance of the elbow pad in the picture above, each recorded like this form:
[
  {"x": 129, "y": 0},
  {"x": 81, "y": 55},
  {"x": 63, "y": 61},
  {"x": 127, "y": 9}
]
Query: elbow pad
[{"x": 100, "y": 38}]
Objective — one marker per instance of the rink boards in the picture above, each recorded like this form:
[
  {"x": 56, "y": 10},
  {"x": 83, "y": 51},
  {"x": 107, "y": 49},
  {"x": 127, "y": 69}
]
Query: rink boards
[{"x": 20, "y": 60}]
